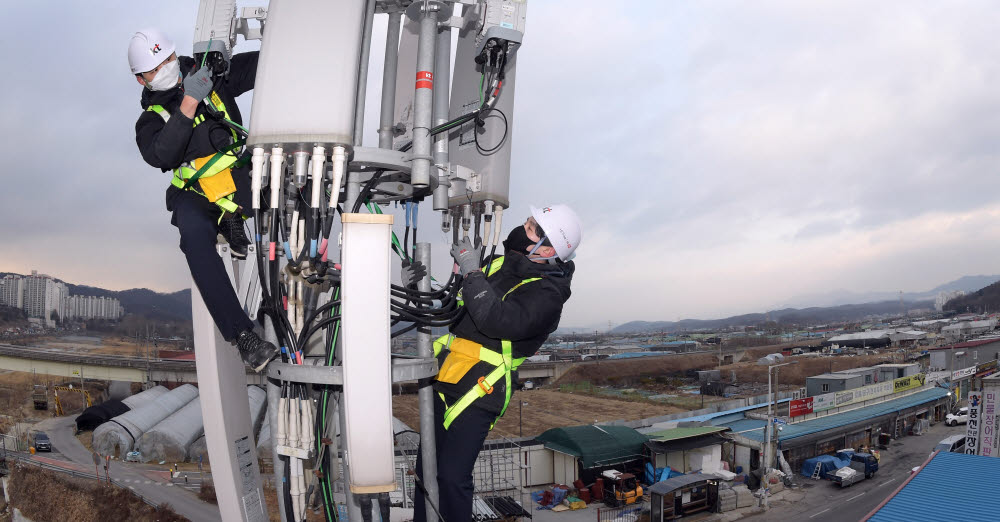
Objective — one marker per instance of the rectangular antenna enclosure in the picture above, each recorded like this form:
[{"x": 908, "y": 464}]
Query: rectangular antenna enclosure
[
  {"x": 215, "y": 24},
  {"x": 492, "y": 170},
  {"x": 307, "y": 73},
  {"x": 367, "y": 400}
]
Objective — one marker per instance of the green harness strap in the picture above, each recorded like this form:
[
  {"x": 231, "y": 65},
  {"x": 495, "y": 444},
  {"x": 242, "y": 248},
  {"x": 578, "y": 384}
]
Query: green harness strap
[
  {"x": 504, "y": 363},
  {"x": 185, "y": 176}
]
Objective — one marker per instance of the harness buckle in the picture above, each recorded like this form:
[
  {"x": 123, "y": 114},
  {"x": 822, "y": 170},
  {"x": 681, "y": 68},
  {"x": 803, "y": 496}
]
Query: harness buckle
[{"x": 485, "y": 387}]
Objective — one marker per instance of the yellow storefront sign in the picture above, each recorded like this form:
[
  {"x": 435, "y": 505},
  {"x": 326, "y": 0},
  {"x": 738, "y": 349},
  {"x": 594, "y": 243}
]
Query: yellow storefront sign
[{"x": 908, "y": 383}]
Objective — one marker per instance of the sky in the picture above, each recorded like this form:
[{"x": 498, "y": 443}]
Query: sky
[{"x": 724, "y": 157}]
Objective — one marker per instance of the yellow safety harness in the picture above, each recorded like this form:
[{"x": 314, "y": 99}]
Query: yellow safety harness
[
  {"x": 464, "y": 354},
  {"x": 213, "y": 173}
]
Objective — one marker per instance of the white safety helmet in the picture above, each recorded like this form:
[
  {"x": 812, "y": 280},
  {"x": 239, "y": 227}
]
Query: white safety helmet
[
  {"x": 147, "y": 49},
  {"x": 562, "y": 228}
]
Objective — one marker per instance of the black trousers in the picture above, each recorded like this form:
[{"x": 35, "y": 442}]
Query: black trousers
[
  {"x": 196, "y": 218},
  {"x": 457, "y": 450}
]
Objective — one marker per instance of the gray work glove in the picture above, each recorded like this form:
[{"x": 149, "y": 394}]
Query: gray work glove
[
  {"x": 412, "y": 273},
  {"x": 466, "y": 256},
  {"x": 198, "y": 84}
]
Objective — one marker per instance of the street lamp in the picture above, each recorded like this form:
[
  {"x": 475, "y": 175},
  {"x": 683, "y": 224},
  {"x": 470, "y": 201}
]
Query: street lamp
[{"x": 771, "y": 400}]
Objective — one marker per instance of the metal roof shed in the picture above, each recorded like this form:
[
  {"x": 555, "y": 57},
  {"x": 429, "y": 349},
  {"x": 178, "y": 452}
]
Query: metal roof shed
[
  {"x": 681, "y": 439},
  {"x": 596, "y": 446},
  {"x": 830, "y": 422},
  {"x": 968, "y": 482}
]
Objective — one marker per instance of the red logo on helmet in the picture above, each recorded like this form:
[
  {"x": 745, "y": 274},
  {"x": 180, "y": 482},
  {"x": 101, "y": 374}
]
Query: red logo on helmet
[
  {"x": 546, "y": 209},
  {"x": 156, "y": 49}
]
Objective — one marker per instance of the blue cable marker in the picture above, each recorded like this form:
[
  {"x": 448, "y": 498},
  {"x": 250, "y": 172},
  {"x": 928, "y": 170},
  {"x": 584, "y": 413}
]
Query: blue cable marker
[
  {"x": 288, "y": 251},
  {"x": 312, "y": 248},
  {"x": 406, "y": 212}
]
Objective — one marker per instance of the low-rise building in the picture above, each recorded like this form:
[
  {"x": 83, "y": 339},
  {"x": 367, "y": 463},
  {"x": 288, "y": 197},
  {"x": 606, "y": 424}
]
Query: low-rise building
[
  {"x": 969, "y": 329},
  {"x": 833, "y": 382},
  {"x": 888, "y": 371},
  {"x": 964, "y": 355}
]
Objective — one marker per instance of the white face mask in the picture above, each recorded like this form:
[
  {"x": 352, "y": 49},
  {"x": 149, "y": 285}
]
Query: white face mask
[{"x": 166, "y": 78}]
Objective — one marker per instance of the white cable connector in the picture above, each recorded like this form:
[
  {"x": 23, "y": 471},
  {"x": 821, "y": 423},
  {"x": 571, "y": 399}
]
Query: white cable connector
[
  {"x": 339, "y": 159},
  {"x": 257, "y": 173},
  {"x": 496, "y": 228},
  {"x": 277, "y": 161},
  {"x": 282, "y": 427},
  {"x": 300, "y": 476},
  {"x": 308, "y": 429},
  {"x": 318, "y": 162},
  {"x": 294, "y": 422},
  {"x": 295, "y": 470}
]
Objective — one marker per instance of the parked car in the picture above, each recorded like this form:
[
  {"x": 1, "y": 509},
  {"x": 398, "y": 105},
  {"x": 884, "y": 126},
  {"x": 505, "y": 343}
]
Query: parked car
[
  {"x": 953, "y": 444},
  {"x": 42, "y": 442},
  {"x": 959, "y": 417}
]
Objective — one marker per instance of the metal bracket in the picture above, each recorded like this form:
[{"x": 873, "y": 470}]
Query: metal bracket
[
  {"x": 402, "y": 370},
  {"x": 247, "y": 14},
  {"x": 441, "y": 10}
]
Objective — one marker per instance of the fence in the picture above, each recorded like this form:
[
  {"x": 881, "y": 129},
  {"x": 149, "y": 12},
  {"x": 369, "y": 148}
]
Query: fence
[{"x": 629, "y": 513}]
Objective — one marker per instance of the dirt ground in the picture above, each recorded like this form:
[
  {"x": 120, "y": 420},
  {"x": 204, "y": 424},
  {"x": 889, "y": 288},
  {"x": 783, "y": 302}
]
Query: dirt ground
[
  {"x": 78, "y": 500},
  {"x": 806, "y": 366},
  {"x": 546, "y": 409},
  {"x": 271, "y": 500},
  {"x": 95, "y": 344},
  {"x": 629, "y": 372}
]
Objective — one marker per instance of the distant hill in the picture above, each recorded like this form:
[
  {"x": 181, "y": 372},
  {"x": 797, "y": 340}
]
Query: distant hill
[
  {"x": 841, "y": 297},
  {"x": 175, "y": 306},
  {"x": 144, "y": 302},
  {"x": 984, "y": 299},
  {"x": 803, "y": 316}
]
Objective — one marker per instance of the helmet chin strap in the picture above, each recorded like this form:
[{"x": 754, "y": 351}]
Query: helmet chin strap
[{"x": 550, "y": 259}]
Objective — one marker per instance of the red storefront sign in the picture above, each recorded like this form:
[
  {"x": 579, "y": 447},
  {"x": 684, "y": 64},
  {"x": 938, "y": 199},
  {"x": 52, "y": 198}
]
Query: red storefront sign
[{"x": 800, "y": 407}]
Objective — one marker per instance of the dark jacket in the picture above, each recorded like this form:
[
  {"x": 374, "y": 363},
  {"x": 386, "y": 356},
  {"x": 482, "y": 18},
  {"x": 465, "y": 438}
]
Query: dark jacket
[
  {"x": 167, "y": 145},
  {"x": 526, "y": 317}
]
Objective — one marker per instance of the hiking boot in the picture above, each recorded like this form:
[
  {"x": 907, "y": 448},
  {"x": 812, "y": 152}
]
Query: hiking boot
[
  {"x": 255, "y": 351},
  {"x": 231, "y": 228}
]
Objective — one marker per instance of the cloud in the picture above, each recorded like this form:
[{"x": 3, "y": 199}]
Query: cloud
[{"x": 722, "y": 155}]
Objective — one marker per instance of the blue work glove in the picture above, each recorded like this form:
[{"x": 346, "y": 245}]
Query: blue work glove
[
  {"x": 412, "y": 273},
  {"x": 466, "y": 256},
  {"x": 198, "y": 84}
]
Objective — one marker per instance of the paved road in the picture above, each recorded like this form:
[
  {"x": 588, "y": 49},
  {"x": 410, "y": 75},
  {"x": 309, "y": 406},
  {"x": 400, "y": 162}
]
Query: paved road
[
  {"x": 823, "y": 501},
  {"x": 149, "y": 484}
]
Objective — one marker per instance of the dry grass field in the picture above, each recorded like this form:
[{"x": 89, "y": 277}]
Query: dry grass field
[{"x": 547, "y": 409}]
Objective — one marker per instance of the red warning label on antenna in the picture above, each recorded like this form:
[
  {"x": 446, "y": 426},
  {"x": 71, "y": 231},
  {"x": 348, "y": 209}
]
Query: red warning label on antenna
[{"x": 425, "y": 80}]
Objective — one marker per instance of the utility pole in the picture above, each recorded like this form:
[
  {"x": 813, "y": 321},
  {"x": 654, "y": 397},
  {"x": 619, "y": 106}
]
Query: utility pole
[{"x": 772, "y": 408}]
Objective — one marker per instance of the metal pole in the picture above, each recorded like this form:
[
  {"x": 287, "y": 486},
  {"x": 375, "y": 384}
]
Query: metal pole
[
  {"x": 767, "y": 441},
  {"x": 387, "y": 115},
  {"x": 442, "y": 71},
  {"x": 366, "y": 45},
  {"x": 425, "y": 396},
  {"x": 423, "y": 102}
]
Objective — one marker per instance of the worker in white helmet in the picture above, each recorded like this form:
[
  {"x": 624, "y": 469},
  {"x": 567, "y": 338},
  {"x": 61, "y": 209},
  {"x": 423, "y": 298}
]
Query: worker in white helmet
[
  {"x": 190, "y": 126},
  {"x": 513, "y": 304}
]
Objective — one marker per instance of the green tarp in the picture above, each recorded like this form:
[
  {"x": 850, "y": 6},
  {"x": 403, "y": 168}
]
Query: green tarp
[{"x": 596, "y": 446}]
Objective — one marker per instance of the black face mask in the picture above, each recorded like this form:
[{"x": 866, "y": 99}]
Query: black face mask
[{"x": 518, "y": 241}]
